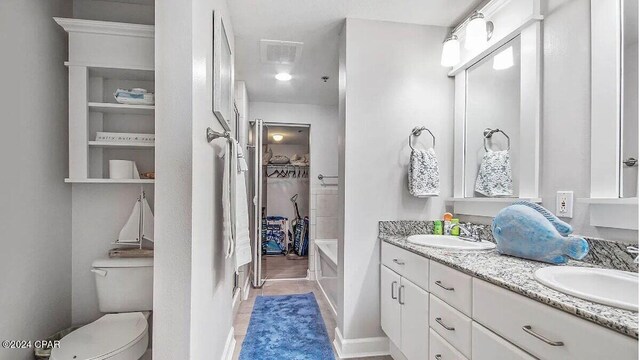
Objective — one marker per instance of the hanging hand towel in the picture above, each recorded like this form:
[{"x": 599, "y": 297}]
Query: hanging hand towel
[
  {"x": 242, "y": 239},
  {"x": 424, "y": 176},
  {"x": 494, "y": 176}
]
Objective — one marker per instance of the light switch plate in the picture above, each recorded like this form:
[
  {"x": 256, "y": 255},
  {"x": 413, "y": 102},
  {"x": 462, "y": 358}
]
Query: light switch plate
[{"x": 564, "y": 204}]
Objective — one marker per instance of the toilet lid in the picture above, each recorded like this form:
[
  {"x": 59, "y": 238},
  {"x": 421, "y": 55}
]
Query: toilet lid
[{"x": 109, "y": 334}]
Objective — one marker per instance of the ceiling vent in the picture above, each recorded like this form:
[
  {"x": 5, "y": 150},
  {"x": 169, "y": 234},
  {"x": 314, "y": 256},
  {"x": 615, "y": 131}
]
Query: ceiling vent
[{"x": 280, "y": 52}]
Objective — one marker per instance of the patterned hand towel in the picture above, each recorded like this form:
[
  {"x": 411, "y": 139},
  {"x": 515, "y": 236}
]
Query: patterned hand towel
[
  {"x": 424, "y": 176},
  {"x": 494, "y": 177}
]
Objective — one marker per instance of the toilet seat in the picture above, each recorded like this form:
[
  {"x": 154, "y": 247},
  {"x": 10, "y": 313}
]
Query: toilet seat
[{"x": 114, "y": 336}]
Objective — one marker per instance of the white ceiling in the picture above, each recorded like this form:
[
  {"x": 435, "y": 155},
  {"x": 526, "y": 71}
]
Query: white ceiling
[
  {"x": 292, "y": 135},
  {"x": 317, "y": 23}
]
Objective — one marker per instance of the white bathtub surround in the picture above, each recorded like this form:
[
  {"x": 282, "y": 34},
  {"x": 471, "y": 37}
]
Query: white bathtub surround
[
  {"x": 327, "y": 270},
  {"x": 323, "y": 219}
]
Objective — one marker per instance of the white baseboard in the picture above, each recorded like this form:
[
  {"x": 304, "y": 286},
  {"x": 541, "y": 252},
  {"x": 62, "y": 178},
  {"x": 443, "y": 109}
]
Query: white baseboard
[
  {"x": 395, "y": 353},
  {"x": 229, "y": 346},
  {"x": 311, "y": 275},
  {"x": 362, "y": 347},
  {"x": 235, "y": 303},
  {"x": 246, "y": 288}
]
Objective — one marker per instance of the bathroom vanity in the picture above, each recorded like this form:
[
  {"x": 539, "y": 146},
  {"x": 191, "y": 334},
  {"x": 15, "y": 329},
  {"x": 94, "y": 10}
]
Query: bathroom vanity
[{"x": 481, "y": 305}]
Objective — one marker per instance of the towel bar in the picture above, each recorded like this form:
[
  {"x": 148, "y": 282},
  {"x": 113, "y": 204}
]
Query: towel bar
[{"x": 212, "y": 135}]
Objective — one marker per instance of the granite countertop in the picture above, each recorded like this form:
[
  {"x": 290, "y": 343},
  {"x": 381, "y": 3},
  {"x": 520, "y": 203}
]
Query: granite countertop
[{"x": 516, "y": 274}]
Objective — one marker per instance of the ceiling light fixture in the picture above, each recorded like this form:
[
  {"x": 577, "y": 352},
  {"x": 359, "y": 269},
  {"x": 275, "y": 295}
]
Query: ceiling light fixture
[
  {"x": 450, "y": 51},
  {"x": 283, "y": 76},
  {"x": 277, "y": 137}
]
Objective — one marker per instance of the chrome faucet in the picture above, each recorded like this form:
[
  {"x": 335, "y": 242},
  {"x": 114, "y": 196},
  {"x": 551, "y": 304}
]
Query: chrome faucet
[
  {"x": 466, "y": 234},
  {"x": 633, "y": 250}
]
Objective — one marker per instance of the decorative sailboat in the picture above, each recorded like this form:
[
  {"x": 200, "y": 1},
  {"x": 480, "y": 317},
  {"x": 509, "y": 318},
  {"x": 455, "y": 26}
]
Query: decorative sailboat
[{"x": 139, "y": 226}]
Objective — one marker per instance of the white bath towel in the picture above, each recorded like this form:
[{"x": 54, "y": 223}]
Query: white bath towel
[
  {"x": 242, "y": 238},
  {"x": 424, "y": 175},
  {"x": 235, "y": 207},
  {"x": 228, "y": 198},
  {"x": 494, "y": 176}
]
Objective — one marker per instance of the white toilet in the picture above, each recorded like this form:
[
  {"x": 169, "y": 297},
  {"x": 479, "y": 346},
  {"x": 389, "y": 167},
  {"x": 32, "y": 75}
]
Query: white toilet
[{"x": 125, "y": 292}]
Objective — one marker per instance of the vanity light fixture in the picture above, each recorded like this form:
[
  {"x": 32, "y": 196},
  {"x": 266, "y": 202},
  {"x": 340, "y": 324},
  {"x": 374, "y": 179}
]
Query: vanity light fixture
[
  {"x": 277, "y": 137},
  {"x": 476, "y": 31},
  {"x": 450, "y": 51},
  {"x": 283, "y": 76},
  {"x": 504, "y": 59}
]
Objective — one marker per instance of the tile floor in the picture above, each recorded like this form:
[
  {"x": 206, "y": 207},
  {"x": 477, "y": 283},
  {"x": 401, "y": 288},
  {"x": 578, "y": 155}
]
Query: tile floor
[
  {"x": 280, "y": 267},
  {"x": 285, "y": 287}
]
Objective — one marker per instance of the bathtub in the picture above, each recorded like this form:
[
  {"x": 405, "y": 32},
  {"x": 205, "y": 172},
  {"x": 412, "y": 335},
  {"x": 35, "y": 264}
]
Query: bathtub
[{"x": 327, "y": 269}]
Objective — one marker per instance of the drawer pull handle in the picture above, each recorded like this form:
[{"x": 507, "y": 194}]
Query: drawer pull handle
[
  {"x": 393, "y": 290},
  {"x": 400, "y": 292},
  {"x": 439, "y": 283},
  {"x": 439, "y": 321},
  {"x": 399, "y": 262},
  {"x": 438, "y": 357},
  {"x": 528, "y": 330}
]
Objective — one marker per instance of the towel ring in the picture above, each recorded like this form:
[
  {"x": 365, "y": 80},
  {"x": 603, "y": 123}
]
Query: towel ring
[
  {"x": 488, "y": 133},
  {"x": 416, "y": 132}
]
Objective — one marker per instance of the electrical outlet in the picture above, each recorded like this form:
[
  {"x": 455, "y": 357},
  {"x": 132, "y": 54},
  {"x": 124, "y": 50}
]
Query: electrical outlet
[{"x": 564, "y": 204}]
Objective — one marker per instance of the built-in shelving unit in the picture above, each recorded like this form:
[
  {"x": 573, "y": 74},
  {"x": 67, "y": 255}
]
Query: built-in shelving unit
[
  {"x": 119, "y": 145},
  {"x": 103, "y": 57},
  {"x": 112, "y": 108},
  {"x": 110, "y": 181}
]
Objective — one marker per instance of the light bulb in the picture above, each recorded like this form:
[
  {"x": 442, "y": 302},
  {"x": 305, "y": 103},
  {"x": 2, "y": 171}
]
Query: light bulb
[
  {"x": 504, "y": 59},
  {"x": 283, "y": 76},
  {"x": 476, "y": 32},
  {"x": 277, "y": 137},
  {"x": 450, "y": 51}
]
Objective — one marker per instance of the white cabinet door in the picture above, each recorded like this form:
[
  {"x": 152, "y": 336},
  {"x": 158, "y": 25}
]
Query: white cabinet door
[
  {"x": 390, "y": 308},
  {"x": 415, "y": 320}
]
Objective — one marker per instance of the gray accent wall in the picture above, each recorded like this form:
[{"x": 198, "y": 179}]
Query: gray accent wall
[{"x": 35, "y": 210}]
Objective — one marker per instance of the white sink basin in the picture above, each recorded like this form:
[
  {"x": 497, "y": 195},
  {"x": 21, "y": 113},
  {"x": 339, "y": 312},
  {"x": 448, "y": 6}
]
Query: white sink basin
[
  {"x": 609, "y": 287},
  {"x": 449, "y": 242}
]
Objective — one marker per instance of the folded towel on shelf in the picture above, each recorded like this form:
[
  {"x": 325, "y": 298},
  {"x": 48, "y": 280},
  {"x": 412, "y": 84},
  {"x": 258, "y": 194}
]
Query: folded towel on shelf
[
  {"x": 424, "y": 175},
  {"x": 134, "y": 96},
  {"x": 279, "y": 160},
  {"x": 494, "y": 176}
]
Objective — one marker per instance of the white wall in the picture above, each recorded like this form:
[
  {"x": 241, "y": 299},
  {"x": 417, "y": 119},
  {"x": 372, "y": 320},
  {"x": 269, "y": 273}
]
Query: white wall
[
  {"x": 394, "y": 82},
  {"x": 172, "y": 262},
  {"x": 119, "y": 11},
  {"x": 324, "y": 131},
  {"x": 35, "y": 261},
  {"x": 211, "y": 275},
  {"x": 566, "y": 135}
]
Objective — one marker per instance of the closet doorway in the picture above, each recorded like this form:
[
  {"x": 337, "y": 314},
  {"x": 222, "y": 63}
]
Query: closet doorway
[{"x": 281, "y": 210}]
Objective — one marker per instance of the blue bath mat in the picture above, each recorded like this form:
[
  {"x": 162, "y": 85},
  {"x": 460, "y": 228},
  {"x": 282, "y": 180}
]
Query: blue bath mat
[{"x": 286, "y": 327}]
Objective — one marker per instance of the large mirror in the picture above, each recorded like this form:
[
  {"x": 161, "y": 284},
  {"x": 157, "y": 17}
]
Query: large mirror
[
  {"x": 492, "y": 127},
  {"x": 629, "y": 106}
]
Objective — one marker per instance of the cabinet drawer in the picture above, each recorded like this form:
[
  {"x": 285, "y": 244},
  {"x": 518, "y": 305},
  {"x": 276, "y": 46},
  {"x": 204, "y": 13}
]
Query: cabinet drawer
[
  {"x": 409, "y": 265},
  {"x": 450, "y": 285},
  {"x": 440, "y": 349},
  {"x": 543, "y": 331},
  {"x": 451, "y": 324},
  {"x": 486, "y": 345}
]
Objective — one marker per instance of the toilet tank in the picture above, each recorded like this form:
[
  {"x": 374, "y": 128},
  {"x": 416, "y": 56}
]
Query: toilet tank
[{"x": 124, "y": 284}]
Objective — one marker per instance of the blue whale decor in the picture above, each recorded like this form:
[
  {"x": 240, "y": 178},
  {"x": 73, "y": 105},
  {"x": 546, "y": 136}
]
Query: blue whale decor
[{"x": 529, "y": 231}]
